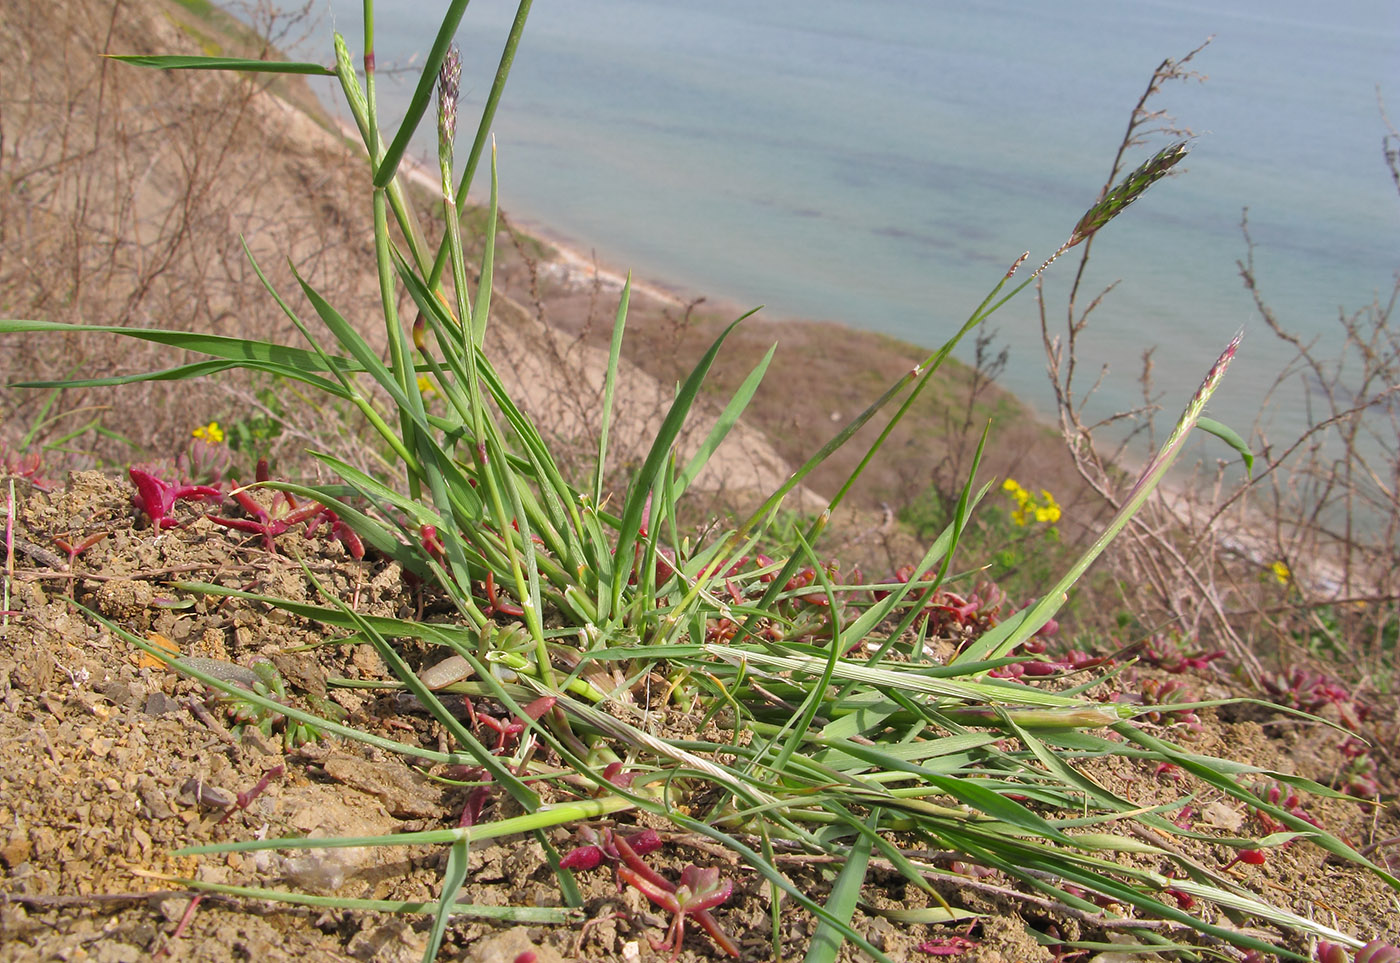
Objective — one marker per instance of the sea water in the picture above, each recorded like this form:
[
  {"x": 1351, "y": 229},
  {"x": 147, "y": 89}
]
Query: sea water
[{"x": 881, "y": 163}]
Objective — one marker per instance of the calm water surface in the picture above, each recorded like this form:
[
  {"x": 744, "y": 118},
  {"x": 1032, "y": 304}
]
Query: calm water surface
[{"x": 880, "y": 163}]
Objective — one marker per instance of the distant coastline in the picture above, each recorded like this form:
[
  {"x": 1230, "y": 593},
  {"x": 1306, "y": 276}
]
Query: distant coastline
[{"x": 573, "y": 264}]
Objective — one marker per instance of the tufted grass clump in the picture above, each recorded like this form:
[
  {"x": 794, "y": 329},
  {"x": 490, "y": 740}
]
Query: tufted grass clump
[{"x": 824, "y": 724}]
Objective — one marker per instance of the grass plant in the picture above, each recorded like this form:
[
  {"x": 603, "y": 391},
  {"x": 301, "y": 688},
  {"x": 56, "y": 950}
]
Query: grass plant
[{"x": 823, "y": 724}]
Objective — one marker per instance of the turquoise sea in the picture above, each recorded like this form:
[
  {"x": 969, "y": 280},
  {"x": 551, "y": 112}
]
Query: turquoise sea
[{"x": 881, "y": 163}]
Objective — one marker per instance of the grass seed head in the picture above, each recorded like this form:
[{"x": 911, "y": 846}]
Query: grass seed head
[
  {"x": 449, "y": 79},
  {"x": 1126, "y": 191}
]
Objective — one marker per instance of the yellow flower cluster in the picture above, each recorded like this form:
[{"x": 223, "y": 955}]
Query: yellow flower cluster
[
  {"x": 1281, "y": 572},
  {"x": 211, "y": 433},
  {"x": 1029, "y": 508}
]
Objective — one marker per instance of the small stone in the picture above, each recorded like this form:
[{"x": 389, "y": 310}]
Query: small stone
[
  {"x": 198, "y": 791},
  {"x": 1223, "y": 816},
  {"x": 508, "y": 946},
  {"x": 395, "y": 942},
  {"x": 403, "y": 792},
  {"x": 15, "y": 850},
  {"x": 367, "y": 661},
  {"x": 255, "y": 740},
  {"x": 113, "y": 952},
  {"x": 326, "y": 870},
  {"x": 118, "y": 693},
  {"x": 159, "y": 704},
  {"x": 173, "y": 909},
  {"x": 153, "y": 797}
]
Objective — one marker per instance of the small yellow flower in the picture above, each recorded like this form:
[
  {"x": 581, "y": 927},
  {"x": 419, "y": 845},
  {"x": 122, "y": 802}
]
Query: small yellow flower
[
  {"x": 1029, "y": 508},
  {"x": 211, "y": 433},
  {"x": 1280, "y": 571},
  {"x": 425, "y": 385}
]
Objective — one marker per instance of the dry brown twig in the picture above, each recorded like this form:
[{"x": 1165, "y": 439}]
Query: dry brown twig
[{"x": 1324, "y": 503}]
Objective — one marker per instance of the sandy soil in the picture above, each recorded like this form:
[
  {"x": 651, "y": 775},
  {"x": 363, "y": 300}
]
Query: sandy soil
[{"x": 109, "y": 762}]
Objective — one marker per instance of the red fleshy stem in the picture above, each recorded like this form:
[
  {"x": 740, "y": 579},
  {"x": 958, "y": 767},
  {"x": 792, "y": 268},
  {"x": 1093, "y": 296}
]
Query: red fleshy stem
[
  {"x": 245, "y": 799},
  {"x": 630, "y": 858},
  {"x": 653, "y": 889},
  {"x": 1253, "y": 857},
  {"x": 584, "y": 857},
  {"x": 496, "y": 604},
  {"x": 711, "y": 926},
  {"x": 75, "y": 550},
  {"x": 181, "y": 926},
  {"x": 156, "y": 496}
]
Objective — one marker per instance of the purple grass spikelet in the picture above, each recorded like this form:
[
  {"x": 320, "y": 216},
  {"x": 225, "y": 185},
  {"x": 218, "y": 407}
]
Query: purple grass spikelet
[{"x": 449, "y": 80}]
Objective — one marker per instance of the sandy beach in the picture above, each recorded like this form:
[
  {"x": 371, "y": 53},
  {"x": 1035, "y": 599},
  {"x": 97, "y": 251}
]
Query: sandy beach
[{"x": 574, "y": 262}]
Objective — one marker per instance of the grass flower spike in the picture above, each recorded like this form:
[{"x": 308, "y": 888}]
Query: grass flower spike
[
  {"x": 449, "y": 81},
  {"x": 1117, "y": 200},
  {"x": 1128, "y": 190}
]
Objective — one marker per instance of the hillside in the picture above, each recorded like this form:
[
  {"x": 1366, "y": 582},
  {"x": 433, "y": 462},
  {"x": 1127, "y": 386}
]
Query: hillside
[{"x": 130, "y": 194}]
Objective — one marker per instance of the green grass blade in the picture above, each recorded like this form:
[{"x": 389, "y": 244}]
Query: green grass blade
[
  {"x": 556, "y": 815},
  {"x": 197, "y": 369},
  {"x": 357, "y": 102},
  {"x": 1231, "y": 437},
  {"x": 222, "y": 63},
  {"x": 216, "y": 346},
  {"x": 452, "y": 637},
  {"x": 557, "y": 915},
  {"x": 728, "y": 418},
  {"x": 770, "y": 873},
  {"x": 291, "y": 712},
  {"x": 453, "y": 876},
  {"x": 481, "y": 311},
  {"x": 802, "y": 721},
  {"x": 352, "y": 341},
  {"x": 380, "y": 494},
  {"x": 493, "y": 99},
  {"x": 645, "y": 480},
  {"x": 500, "y": 773},
  {"x": 919, "y": 374},
  {"x": 483, "y": 130},
  {"x": 904, "y": 679},
  {"x": 1207, "y": 772},
  {"x": 370, "y": 531},
  {"x": 610, "y": 389},
  {"x": 422, "y": 95},
  {"x": 992, "y": 647},
  {"x": 841, "y": 903}
]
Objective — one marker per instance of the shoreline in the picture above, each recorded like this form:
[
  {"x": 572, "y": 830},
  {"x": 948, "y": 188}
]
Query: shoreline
[
  {"x": 578, "y": 267},
  {"x": 575, "y": 266}
]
